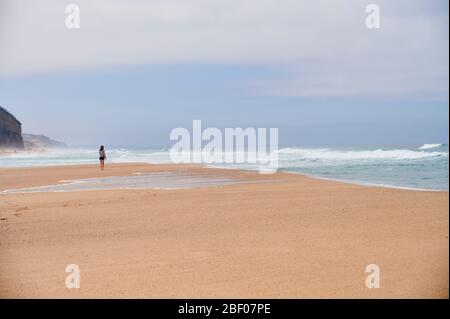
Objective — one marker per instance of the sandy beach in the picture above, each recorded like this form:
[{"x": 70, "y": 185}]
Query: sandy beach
[{"x": 275, "y": 236}]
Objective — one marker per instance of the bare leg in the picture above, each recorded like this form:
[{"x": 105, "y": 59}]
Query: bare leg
[{"x": 102, "y": 164}]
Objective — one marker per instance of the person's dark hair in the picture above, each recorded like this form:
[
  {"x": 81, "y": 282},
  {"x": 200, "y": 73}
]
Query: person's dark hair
[{"x": 101, "y": 148}]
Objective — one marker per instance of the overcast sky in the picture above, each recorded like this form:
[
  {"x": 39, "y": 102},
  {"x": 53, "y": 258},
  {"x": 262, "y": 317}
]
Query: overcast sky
[{"x": 132, "y": 72}]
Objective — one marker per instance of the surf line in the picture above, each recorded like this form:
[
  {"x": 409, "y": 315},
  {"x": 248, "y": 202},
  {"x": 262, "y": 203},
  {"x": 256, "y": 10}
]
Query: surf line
[{"x": 190, "y": 309}]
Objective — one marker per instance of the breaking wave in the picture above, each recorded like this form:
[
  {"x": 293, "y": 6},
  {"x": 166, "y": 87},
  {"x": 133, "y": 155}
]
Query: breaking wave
[
  {"x": 346, "y": 155},
  {"x": 430, "y": 146}
]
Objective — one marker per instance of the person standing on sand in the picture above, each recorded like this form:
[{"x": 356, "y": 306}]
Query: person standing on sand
[{"x": 102, "y": 157}]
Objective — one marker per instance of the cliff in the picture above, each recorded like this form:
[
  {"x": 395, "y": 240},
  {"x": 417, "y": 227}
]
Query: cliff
[
  {"x": 10, "y": 131},
  {"x": 34, "y": 141}
]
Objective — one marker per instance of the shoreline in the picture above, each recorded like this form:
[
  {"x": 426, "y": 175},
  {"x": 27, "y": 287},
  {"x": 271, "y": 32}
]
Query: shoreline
[
  {"x": 368, "y": 184},
  {"x": 397, "y": 167},
  {"x": 207, "y": 166},
  {"x": 290, "y": 236}
]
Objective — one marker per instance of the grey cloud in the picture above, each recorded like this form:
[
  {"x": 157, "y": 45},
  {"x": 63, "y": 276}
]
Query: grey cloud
[{"x": 321, "y": 48}]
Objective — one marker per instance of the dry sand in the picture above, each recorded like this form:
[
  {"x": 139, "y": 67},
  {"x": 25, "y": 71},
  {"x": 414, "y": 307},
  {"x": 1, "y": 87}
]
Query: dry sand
[{"x": 288, "y": 237}]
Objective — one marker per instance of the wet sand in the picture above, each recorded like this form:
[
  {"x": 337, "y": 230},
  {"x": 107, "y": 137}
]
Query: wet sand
[{"x": 275, "y": 236}]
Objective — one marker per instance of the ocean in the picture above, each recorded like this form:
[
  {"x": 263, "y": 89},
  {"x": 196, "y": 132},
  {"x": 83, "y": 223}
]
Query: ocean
[{"x": 423, "y": 167}]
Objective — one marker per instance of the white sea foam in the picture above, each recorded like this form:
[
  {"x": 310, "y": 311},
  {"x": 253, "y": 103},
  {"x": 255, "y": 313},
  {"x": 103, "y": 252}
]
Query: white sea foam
[
  {"x": 380, "y": 154},
  {"x": 429, "y": 146}
]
